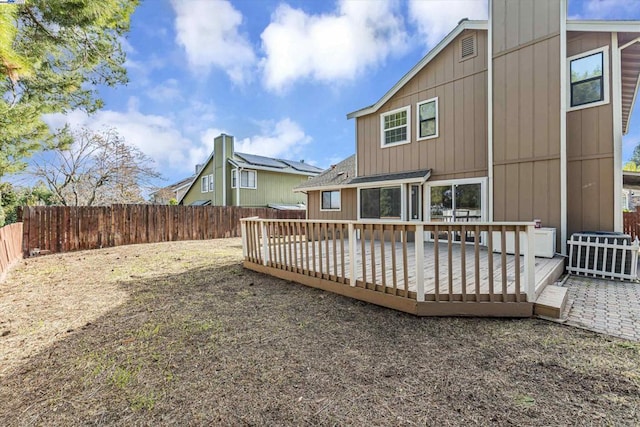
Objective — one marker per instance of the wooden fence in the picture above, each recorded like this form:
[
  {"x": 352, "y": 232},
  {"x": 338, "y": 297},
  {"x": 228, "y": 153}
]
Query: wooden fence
[
  {"x": 49, "y": 229},
  {"x": 10, "y": 247},
  {"x": 631, "y": 224}
]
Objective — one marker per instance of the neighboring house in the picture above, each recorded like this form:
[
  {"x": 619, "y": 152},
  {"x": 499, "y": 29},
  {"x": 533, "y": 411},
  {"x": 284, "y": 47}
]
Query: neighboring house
[
  {"x": 237, "y": 179},
  {"x": 174, "y": 191},
  {"x": 516, "y": 118}
]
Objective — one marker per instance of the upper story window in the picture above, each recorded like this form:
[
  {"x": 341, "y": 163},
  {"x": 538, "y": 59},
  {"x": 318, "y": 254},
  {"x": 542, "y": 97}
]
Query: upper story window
[
  {"x": 330, "y": 200},
  {"x": 247, "y": 178},
  {"x": 588, "y": 79},
  {"x": 428, "y": 119},
  {"x": 395, "y": 127},
  {"x": 206, "y": 185}
]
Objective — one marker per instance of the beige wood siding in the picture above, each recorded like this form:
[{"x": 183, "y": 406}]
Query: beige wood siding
[
  {"x": 590, "y": 152},
  {"x": 348, "y": 206},
  {"x": 460, "y": 150},
  {"x": 526, "y": 111}
]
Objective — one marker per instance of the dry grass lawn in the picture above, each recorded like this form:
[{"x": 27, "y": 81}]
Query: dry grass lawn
[{"x": 180, "y": 334}]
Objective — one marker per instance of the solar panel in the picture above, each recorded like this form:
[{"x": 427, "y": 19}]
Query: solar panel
[
  {"x": 261, "y": 161},
  {"x": 303, "y": 167}
]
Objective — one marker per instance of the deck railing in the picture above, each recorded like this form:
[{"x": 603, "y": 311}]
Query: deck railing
[{"x": 392, "y": 258}]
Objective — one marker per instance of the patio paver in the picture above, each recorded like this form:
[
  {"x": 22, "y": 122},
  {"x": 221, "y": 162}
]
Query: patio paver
[{"x": 604, "y": 306}]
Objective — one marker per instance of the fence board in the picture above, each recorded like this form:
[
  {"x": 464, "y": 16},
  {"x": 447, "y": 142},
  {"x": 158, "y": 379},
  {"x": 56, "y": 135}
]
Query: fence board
[
  {"x": 53, "y": 229},
  {"x": 11, "y": 237}
]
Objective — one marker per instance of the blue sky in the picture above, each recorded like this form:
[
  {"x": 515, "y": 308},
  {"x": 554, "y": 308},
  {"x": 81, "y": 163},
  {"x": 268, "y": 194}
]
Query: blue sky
[{"x": 279, "y": 75}]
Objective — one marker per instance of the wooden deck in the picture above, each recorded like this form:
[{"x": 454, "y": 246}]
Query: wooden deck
[
  {"x": 454, "y": 278},
  {"x": 450, "y": 281}
]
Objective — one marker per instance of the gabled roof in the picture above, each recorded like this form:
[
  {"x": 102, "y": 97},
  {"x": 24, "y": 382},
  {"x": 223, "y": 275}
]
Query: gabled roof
[
  {"x": 335, "y": 176},
  {"x": 463, "y": 25}
]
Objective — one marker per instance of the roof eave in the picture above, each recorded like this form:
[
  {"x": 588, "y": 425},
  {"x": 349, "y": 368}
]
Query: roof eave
[
  {"x": 603, "y": 26},
  {"x": 464, "y": 25}
]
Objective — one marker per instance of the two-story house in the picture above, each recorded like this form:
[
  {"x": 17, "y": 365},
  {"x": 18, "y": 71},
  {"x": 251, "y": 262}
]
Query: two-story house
[
  {"x": 517, "y": 118},
  {"x": 229, "y": 178}
]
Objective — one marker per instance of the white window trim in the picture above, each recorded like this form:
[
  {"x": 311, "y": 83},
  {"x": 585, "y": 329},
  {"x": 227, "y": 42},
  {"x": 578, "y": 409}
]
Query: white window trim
[
  {"x": 605, "y": 78},
  {"x": 331, "y": 209},
  {"x": 234, "y": 172},
  {"x": 397, "y": 110},
  {"x": 403, "y": 207},
  {"x": 418, "y": 137},
  {"x": 410, "y": 202},
  {"x": 255, "y": 187},
  {"x": 204, "y": 184},
  {"x": 211, "y": 183}
]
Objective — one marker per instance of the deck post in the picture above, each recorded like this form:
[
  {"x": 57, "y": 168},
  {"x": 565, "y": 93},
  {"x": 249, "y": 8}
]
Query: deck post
[
  {"x": 243, "y": 234},
  {"x": 352, "y": 255},
  {"x": 265, "y": 248},
  {"x": 419, "y": 242},
  {"x": 530, "y": 264}
]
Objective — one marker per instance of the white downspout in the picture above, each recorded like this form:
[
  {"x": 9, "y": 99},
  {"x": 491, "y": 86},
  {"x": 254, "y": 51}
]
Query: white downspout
[
  {"x": 490, "y": 112},
  {"x": 224, "y": 170},
  {"x": 563, "y": 127},
  {"x": 616, "y": 99},
  {"x": 238, "y": 173}
]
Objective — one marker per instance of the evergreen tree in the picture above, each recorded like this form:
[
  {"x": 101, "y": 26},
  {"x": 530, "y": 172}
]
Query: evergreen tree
[{"x": 54, "y": 54}]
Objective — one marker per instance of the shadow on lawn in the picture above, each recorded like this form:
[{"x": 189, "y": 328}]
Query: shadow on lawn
[{"x": 224, "y": 345}]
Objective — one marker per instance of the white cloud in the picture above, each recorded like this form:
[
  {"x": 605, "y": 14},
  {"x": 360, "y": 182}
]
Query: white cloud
[
  {"x": 167, "y": 91},
  {"x": 156, "y": 136},
  {"x": 283, "y": 139},
  {"x": 209, "y": 33},
  {"x": 330, "y": 47},
  {"x": 436, "y": 18}
]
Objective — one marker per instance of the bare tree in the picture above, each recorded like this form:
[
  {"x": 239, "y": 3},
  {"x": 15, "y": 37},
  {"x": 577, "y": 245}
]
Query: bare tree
[{"x": 99, "y": 168}]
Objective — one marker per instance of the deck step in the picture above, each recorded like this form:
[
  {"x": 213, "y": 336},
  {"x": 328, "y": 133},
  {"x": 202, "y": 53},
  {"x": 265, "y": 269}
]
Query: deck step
[{"x": 551, "y": 302}]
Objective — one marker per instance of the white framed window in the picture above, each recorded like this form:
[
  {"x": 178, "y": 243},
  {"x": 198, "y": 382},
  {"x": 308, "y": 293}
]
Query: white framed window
[
  {"x": 248, "y": 179},
  {"x": 211, "y": 187},
  {"x": 395, "y": 127},
  {"x": 234, "y": 178},
  {"x": 588, "y": 79},
  {"x": 204, "y": 184},
  {"x": 381, "y": 202},
  {"x": 427, "y": 119},
  {"x": 330, "y": 200}
]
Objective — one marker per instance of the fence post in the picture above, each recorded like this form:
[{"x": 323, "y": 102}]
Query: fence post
[
  {"x": 419, "y": 243},
  {"x": 265, "y": 249},
  {"x": 352, "y": 255},
  {"x": 530, "y": 264}
]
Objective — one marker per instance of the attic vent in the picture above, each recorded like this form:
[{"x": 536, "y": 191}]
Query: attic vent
[{"x": 468, "y": 47}]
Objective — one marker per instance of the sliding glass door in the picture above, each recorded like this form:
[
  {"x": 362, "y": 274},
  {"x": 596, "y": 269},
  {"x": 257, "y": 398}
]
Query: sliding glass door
[{"x": 456, "y": 202}]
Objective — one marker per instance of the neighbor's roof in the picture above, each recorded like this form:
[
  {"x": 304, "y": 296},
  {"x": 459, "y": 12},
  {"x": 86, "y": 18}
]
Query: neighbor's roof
[
  {"x": 463, "y": 25},
  {"x": 335, "y": 176},
  {"x": 244, "y": 160}
]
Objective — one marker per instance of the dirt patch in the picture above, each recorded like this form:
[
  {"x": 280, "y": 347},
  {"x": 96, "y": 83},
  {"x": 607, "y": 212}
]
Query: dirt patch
[{"x": 180, "y": 333}]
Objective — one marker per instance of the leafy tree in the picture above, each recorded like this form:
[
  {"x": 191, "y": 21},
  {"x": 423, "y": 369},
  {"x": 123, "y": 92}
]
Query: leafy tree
[
  {"x": 630, "y": 167},
  {"x": 635, "y": 157},
  {"x": 99, "y": 168},
  {"x": 11, "y": 198},
  {"x": 54, "y": 54}
]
